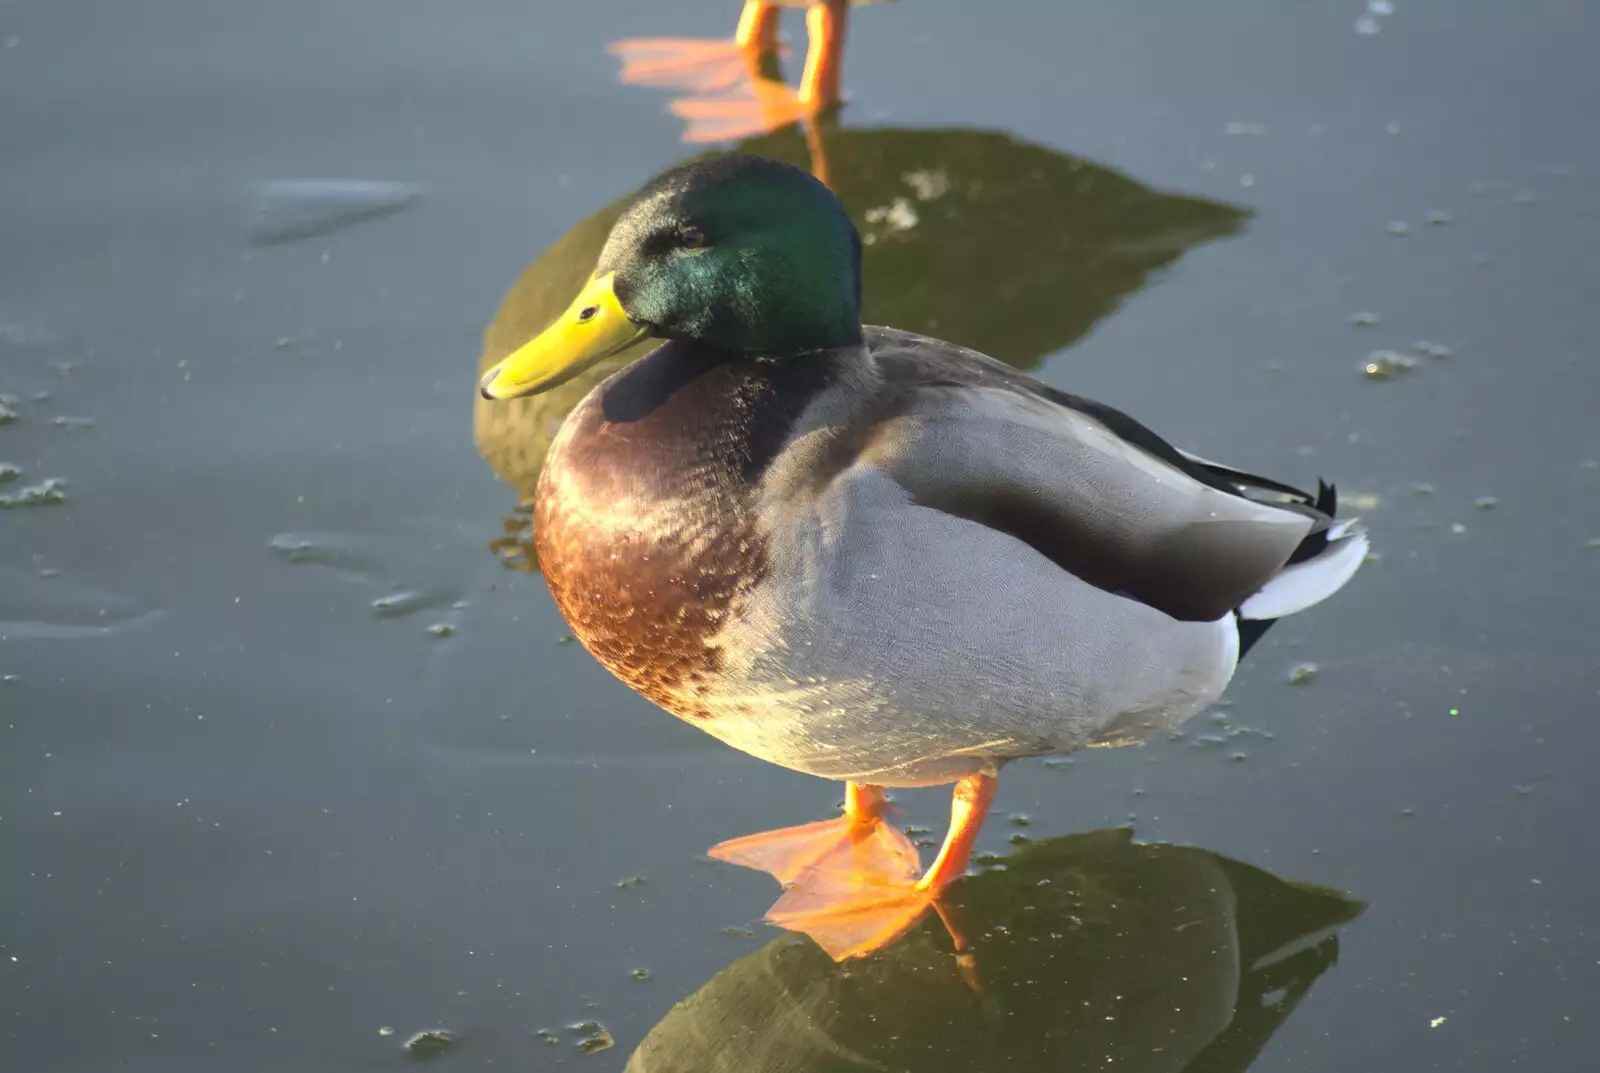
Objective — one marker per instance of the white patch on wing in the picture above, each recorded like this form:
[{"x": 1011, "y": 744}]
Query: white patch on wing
[{"x": 1307, "y": 583}]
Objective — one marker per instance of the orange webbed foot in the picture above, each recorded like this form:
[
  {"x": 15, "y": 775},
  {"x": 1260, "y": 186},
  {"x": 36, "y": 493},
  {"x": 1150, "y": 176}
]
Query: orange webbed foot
[
  {"x": 860, "y": 841},
  {"x": 757, "y": 106},
  {"x": 853, "y": 885},
  {"x": 852, "y": 914},
  {"x": 697, "y": 64}
]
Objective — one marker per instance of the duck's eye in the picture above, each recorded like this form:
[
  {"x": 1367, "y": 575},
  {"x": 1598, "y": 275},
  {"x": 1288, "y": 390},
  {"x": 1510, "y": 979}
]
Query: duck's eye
[
  {"x": 588, "y": 312},
  {"x": 691, "y": 238}
]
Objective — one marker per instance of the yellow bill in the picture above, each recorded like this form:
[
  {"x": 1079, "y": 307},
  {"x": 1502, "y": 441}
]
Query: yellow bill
[{"x": 593, "y": 328}]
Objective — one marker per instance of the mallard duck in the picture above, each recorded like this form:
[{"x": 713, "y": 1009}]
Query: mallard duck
[
  {"x": 870, "y": 555},
  {"x": 737, "y": 93}
]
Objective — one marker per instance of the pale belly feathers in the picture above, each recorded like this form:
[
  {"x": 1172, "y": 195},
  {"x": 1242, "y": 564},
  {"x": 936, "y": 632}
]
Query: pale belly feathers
[{"x": 899, "y": 645}]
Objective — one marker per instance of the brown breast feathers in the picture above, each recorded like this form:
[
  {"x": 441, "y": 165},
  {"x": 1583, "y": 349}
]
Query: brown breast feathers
[{"x": 643, "y": 516}]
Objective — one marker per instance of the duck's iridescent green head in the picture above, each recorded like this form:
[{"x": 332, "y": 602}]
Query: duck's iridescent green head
[{"x": 739, "y": 253}]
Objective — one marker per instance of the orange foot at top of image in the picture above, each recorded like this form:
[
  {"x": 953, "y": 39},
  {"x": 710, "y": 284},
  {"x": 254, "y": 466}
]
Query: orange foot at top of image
[{"x": 733, "y": 91}]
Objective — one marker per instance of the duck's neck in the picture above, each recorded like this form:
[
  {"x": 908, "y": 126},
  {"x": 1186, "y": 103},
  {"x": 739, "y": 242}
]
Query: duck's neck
[{"x": 689, "y": 419}]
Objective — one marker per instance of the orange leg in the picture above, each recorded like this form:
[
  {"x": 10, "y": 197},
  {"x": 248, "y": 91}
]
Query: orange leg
[
  {"x": 825, "y": 28},
  {"x": 864, "y": 802},
  {"x": 817, "y": 150},
  {"x": 968, "y": 807},
  {"x": 758, "y": 27},
  {"x": 852, "y": 913},
  {"x": 966, "y": 957}
]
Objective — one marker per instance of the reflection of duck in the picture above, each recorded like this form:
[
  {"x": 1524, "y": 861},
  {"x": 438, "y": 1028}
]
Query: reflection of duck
[
  {"x": 736, "y": 93},
  {"x": 1096, "y": 952},
  {"x": 870, "y": 555},
  {"x": 1013, "y": 248}
]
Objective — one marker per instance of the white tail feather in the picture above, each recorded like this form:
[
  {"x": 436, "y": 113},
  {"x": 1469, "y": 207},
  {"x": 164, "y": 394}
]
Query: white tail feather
[{"x": 1303, "y": 584}]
